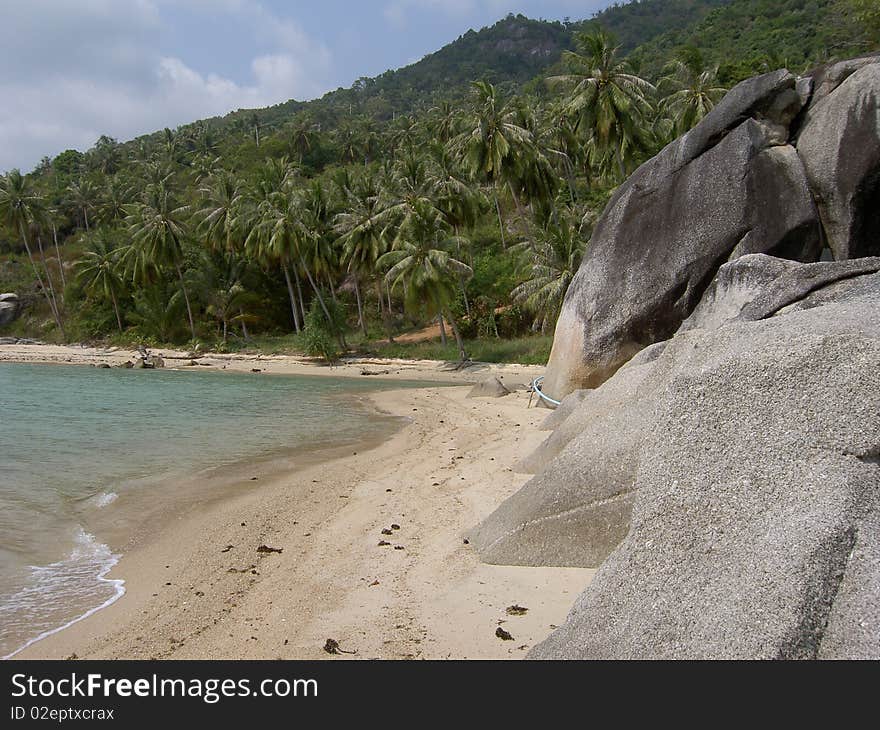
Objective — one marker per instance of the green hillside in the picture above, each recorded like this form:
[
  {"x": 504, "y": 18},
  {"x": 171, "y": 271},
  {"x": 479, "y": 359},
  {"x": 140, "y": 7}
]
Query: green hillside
[{"x": 336, "y": 223}]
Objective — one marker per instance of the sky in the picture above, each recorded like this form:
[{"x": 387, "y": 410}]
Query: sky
[{"x": 72, "y": 70}]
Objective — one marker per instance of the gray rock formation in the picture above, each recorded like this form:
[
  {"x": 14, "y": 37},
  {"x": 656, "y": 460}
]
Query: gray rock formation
[
  {"x": 734, "y": 185},
  {"x": 754, "y": 530},
  {"x": 840, "y": 147},
  {"x": 490, "y": 387},
  {"x": 756, "y": 286},
  {"x": 577, "y": 508},
  {"x": 10, "y": 308},
  {"x": 719, "y": 455},
  {"x": 568, "y": 406},
  {"x": 729, "y": 187}
]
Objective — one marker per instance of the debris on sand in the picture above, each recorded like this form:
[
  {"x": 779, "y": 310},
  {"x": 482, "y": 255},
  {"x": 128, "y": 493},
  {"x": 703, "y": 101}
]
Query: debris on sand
[
  {"x": 331, "y": 646},
  {"x": 516, "y": 610},
  {"x": 503, "y": 635},
  {"x": 267, "y": 549}
]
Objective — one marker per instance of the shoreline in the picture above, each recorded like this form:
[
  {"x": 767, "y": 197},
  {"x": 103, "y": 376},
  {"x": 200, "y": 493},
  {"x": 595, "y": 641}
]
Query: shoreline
[
  {"x": 356, "y": 367},
  {"x": 188, "y": 595}
]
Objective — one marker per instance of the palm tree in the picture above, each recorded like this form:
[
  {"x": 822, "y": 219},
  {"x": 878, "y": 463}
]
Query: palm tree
[
  {"x": 99, "y": 272},
  {"x": 117, "y": 194},
  {"x": 203, "y": 141},
  {"x": 456, "y": 198},
  {"x": 20, "y": 208},
  {"x": 157, "y": 311},
  {"x": 359, "y": 233},
  {"x": 171, "y": 146},
  {"x": 492, "y": 143},
  {"x": 255, "y": 125},
  {"x": 608, "y": 101},
  {"x": 158, "y": 229},
  {"x": 220, "y": 281},
  {"x": 554, "y": 256},
  {"x": 693, "y": 89},
  {"x": 315, "y": 241},
  {"x": 84, "y": 196},
  {"x": 216, "y": 220},
  {"x": 443, "y": 122},
  {"x": 420, "y": 261},
  {"x": 303, "y": 134}
]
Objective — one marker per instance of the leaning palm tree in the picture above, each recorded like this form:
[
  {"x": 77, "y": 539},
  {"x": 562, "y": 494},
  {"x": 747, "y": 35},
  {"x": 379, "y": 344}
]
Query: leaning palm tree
[
  {"x": 692, "y": 89},
  {"x": 20, "y": 208},
  {"x": 99, "y": 272},
  {"x": 158, "y": 228},
  {"x": 420, "y": 261},
  {"x": 553, "y": 257},
  {"x": 608, "y": 101}
]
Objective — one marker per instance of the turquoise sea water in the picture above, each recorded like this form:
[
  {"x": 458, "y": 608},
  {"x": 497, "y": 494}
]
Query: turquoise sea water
[{"x": 77, "y": 440}]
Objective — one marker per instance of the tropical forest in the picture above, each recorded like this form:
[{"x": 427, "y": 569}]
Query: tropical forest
[{"x": 455, "y": 196}]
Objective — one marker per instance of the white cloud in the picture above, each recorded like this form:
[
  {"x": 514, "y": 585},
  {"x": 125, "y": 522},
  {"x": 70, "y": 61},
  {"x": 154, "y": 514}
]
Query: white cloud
[{"x": 75, "y": 71}]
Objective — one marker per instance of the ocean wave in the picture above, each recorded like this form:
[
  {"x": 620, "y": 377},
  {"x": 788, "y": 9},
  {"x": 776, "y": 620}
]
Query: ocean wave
[
  {"x": 68, "y": 582},
  {"x": 103, "y": 499}
]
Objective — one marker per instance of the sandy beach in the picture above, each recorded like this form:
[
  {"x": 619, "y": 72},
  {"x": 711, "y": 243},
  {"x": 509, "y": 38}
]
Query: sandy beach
[{"x": 197, "y": 586}]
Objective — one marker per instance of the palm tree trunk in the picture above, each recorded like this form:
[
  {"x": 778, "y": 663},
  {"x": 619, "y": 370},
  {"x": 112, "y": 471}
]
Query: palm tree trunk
[
  {"x": 467, "y": 305},
  {"x": 500, "y": 220},
  {"x": 299, "y": 294},
  {"x": 519, "y": 208},
  {"x": 357, "y": 294},
  {"x": 244, "y": 332},
  {"x": 60, "y": 260},
  {"x": 116, "y": 309},
  {"x": 332, "y": 288},
  {"x": 189, "y": 314},
  {"x": 49, "y": 278},
  {"x": 290, "y": 296},
  {"x": 458, "y": 341},
  {"x": 225, "y": 330},
  {"x": 43, "y": 288},
  {"x": 317, "y": 291},
  {"x": 443, "y": 340}
]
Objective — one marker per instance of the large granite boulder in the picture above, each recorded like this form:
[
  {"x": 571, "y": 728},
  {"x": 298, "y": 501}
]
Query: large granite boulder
[
  {"x": 840, "y": 147},
  {"x": 757, "y": 286},
  {"x": 577, "y": 508},
  {"x": 10, "y": 308},
  {"x": 754, "y": 529},
  {"x": 826, "y": 78},
  {"x": 729, "y": 187},
  {"x": 781, "y": 166}
]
